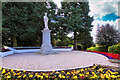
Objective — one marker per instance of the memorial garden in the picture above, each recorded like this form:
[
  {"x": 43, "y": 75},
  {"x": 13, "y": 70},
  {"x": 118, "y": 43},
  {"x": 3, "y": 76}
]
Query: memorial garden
[{"x": 36, "y": 45}]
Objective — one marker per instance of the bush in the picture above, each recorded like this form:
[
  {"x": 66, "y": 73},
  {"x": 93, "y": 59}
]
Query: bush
[
  {"x": 101, "y": 49},
  {"x": 79, "y": 47},
  {"x": 114, "y": 49}
]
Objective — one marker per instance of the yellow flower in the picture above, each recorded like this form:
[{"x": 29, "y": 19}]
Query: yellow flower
[
  {"x": 71, "y": 72},
  {"x": 78, "y": 71},
  {"x": 113, "y": 76},
  {"x": 63, "y": 76},
  {"x": 107, "y": 76},
  {"x": 94, "y": 67},
  {"x": 92, "y": 77},
  {"x": 8, "y": 77},
  {"x": 118, "y": 76},
  {"x": 62, "y": 71},
  {"x": 86, "y": 69},
  {"x": 18, "y": 70},
  {"x": 74, "y": 77},
  {"x": 116, "y": 73},
  {"x": 60, "y": 76},
  {"x": 82, "y": 69},
  {"x": 7, "y": 69},
  {"x": 102, "y": 76},
  {"x": 68, "y": 73},
  {"x": 46, "y": 76},
  {"x": 57, "y": 72},
  {"x": 3, "y": 71},
  {"x": 24, "y": 71},
  {"x": 95, "y": 76},
  {"x": 113, "y": 73},
  {"x": 11, "y": 70},
  {"x": 41, "y": 77},
  {"x": 24, "y": 76},
  {"x": 101, "y": 69},
  {"x": 80, "y": 75},
  {"x": 38, "y": 76},
  {"x": 87, "y": 73},
  {"x": 0, "y": 68},
  {"x": 30, "y": 75},
  {"x": 8, "y": 72},
  {"x": 19, "y": 77},
  {"x": 43, "y": 74},
  {"x": 93, "y": 73}
]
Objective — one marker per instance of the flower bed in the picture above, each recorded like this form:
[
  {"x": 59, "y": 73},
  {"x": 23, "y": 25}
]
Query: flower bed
[
  {"x": 5, "y": 50},
  {"x": 109, "y": 55},
  {"x": 89, "y": 73}
]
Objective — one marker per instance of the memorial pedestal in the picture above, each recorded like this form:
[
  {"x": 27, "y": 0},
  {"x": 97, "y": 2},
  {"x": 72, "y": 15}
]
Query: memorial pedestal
[{"x": 46, "y": 47}]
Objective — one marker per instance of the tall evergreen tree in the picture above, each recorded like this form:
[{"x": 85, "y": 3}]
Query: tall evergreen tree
[
  {"x": 74, "y": 18},
  {"x": 23, "y": 21}
]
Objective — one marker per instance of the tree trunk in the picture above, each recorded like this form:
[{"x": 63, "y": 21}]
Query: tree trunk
[
  {"x": 14, "y": 42},
  {"x": 54, "y": 42},
  {"x": 75, "y": 40}
]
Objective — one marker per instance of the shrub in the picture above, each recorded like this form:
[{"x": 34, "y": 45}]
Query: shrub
[
  {"x": 114, "y": 49},
  {"x": 107, "y": 36},
  {"x": 101, "y": 49},
  {"x": 79, "y": 47}
]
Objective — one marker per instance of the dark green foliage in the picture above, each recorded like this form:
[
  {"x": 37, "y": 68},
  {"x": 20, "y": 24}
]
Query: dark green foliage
[
  {"x": 74, "y": 18},
  {"x": 63, "y": 40},
  {"x": 114, "y": 49},
  {"x": 79, "y": 47},
  {"x": 85, "y": 39},
  {"x": 107, "y": 36},
  {"x": 23, "y": 22},
  {"x": 101, "y": 49}
]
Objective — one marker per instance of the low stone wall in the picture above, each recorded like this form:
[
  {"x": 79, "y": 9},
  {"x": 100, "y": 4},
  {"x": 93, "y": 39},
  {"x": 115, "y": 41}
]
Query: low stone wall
[
  {"x": 34, "y": 49},
  {"x": 3, "y": 54}
]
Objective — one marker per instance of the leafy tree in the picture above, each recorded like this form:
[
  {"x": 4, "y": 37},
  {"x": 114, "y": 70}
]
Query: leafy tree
[
  {"x": 74, "y": 18},
  {"x": 107, "y": 36},
  {"x": 23, "y": 22},
  {"x": 86, "y": 40}
]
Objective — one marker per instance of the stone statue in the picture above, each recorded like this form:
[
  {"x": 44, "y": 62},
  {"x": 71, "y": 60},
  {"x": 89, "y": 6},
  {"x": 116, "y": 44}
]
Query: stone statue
[
  {"x": 46, "y": 21},
  {"x": 46, "y": 47}
]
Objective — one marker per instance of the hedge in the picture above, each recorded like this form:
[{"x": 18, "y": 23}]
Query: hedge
[
  {"x": 101, "y": 49},
  {"x": 114, "y": 49}
]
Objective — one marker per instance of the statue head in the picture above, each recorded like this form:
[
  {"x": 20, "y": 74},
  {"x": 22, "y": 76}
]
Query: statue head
[{"x": 45, "y": 14}]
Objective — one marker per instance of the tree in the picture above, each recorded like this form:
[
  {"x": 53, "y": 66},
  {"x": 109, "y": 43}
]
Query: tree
[
  {"x": 86, "y": 40},
  {"x": 107, "y": 36},
  {"x": 74, "y": 18},
  {"x": 23, "y": 22}
]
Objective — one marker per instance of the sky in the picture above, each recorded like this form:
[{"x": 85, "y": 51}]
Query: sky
[{"x": 103, "y": 11}]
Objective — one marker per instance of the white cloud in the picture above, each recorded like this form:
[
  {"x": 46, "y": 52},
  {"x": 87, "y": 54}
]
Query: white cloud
[{"x": 101, "y": 8}]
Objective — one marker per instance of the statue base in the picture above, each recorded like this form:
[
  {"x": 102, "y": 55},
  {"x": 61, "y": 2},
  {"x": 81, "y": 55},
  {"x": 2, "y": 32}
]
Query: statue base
[{"x": 46, "y": 47}]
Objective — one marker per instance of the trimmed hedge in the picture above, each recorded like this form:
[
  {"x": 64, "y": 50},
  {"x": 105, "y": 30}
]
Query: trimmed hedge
[
  {"x": 114, "y": 49},
  {"x": 101, "y": 49}
]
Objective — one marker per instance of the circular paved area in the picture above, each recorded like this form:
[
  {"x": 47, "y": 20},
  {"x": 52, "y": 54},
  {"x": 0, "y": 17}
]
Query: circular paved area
[{"x": 63, "y": 60}]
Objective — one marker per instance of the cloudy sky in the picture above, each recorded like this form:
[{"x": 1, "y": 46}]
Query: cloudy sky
[{"x": 103, "y": 11}]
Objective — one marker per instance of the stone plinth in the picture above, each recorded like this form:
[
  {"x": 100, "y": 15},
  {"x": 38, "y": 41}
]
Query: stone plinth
[{"x": 46, "y": 47}]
